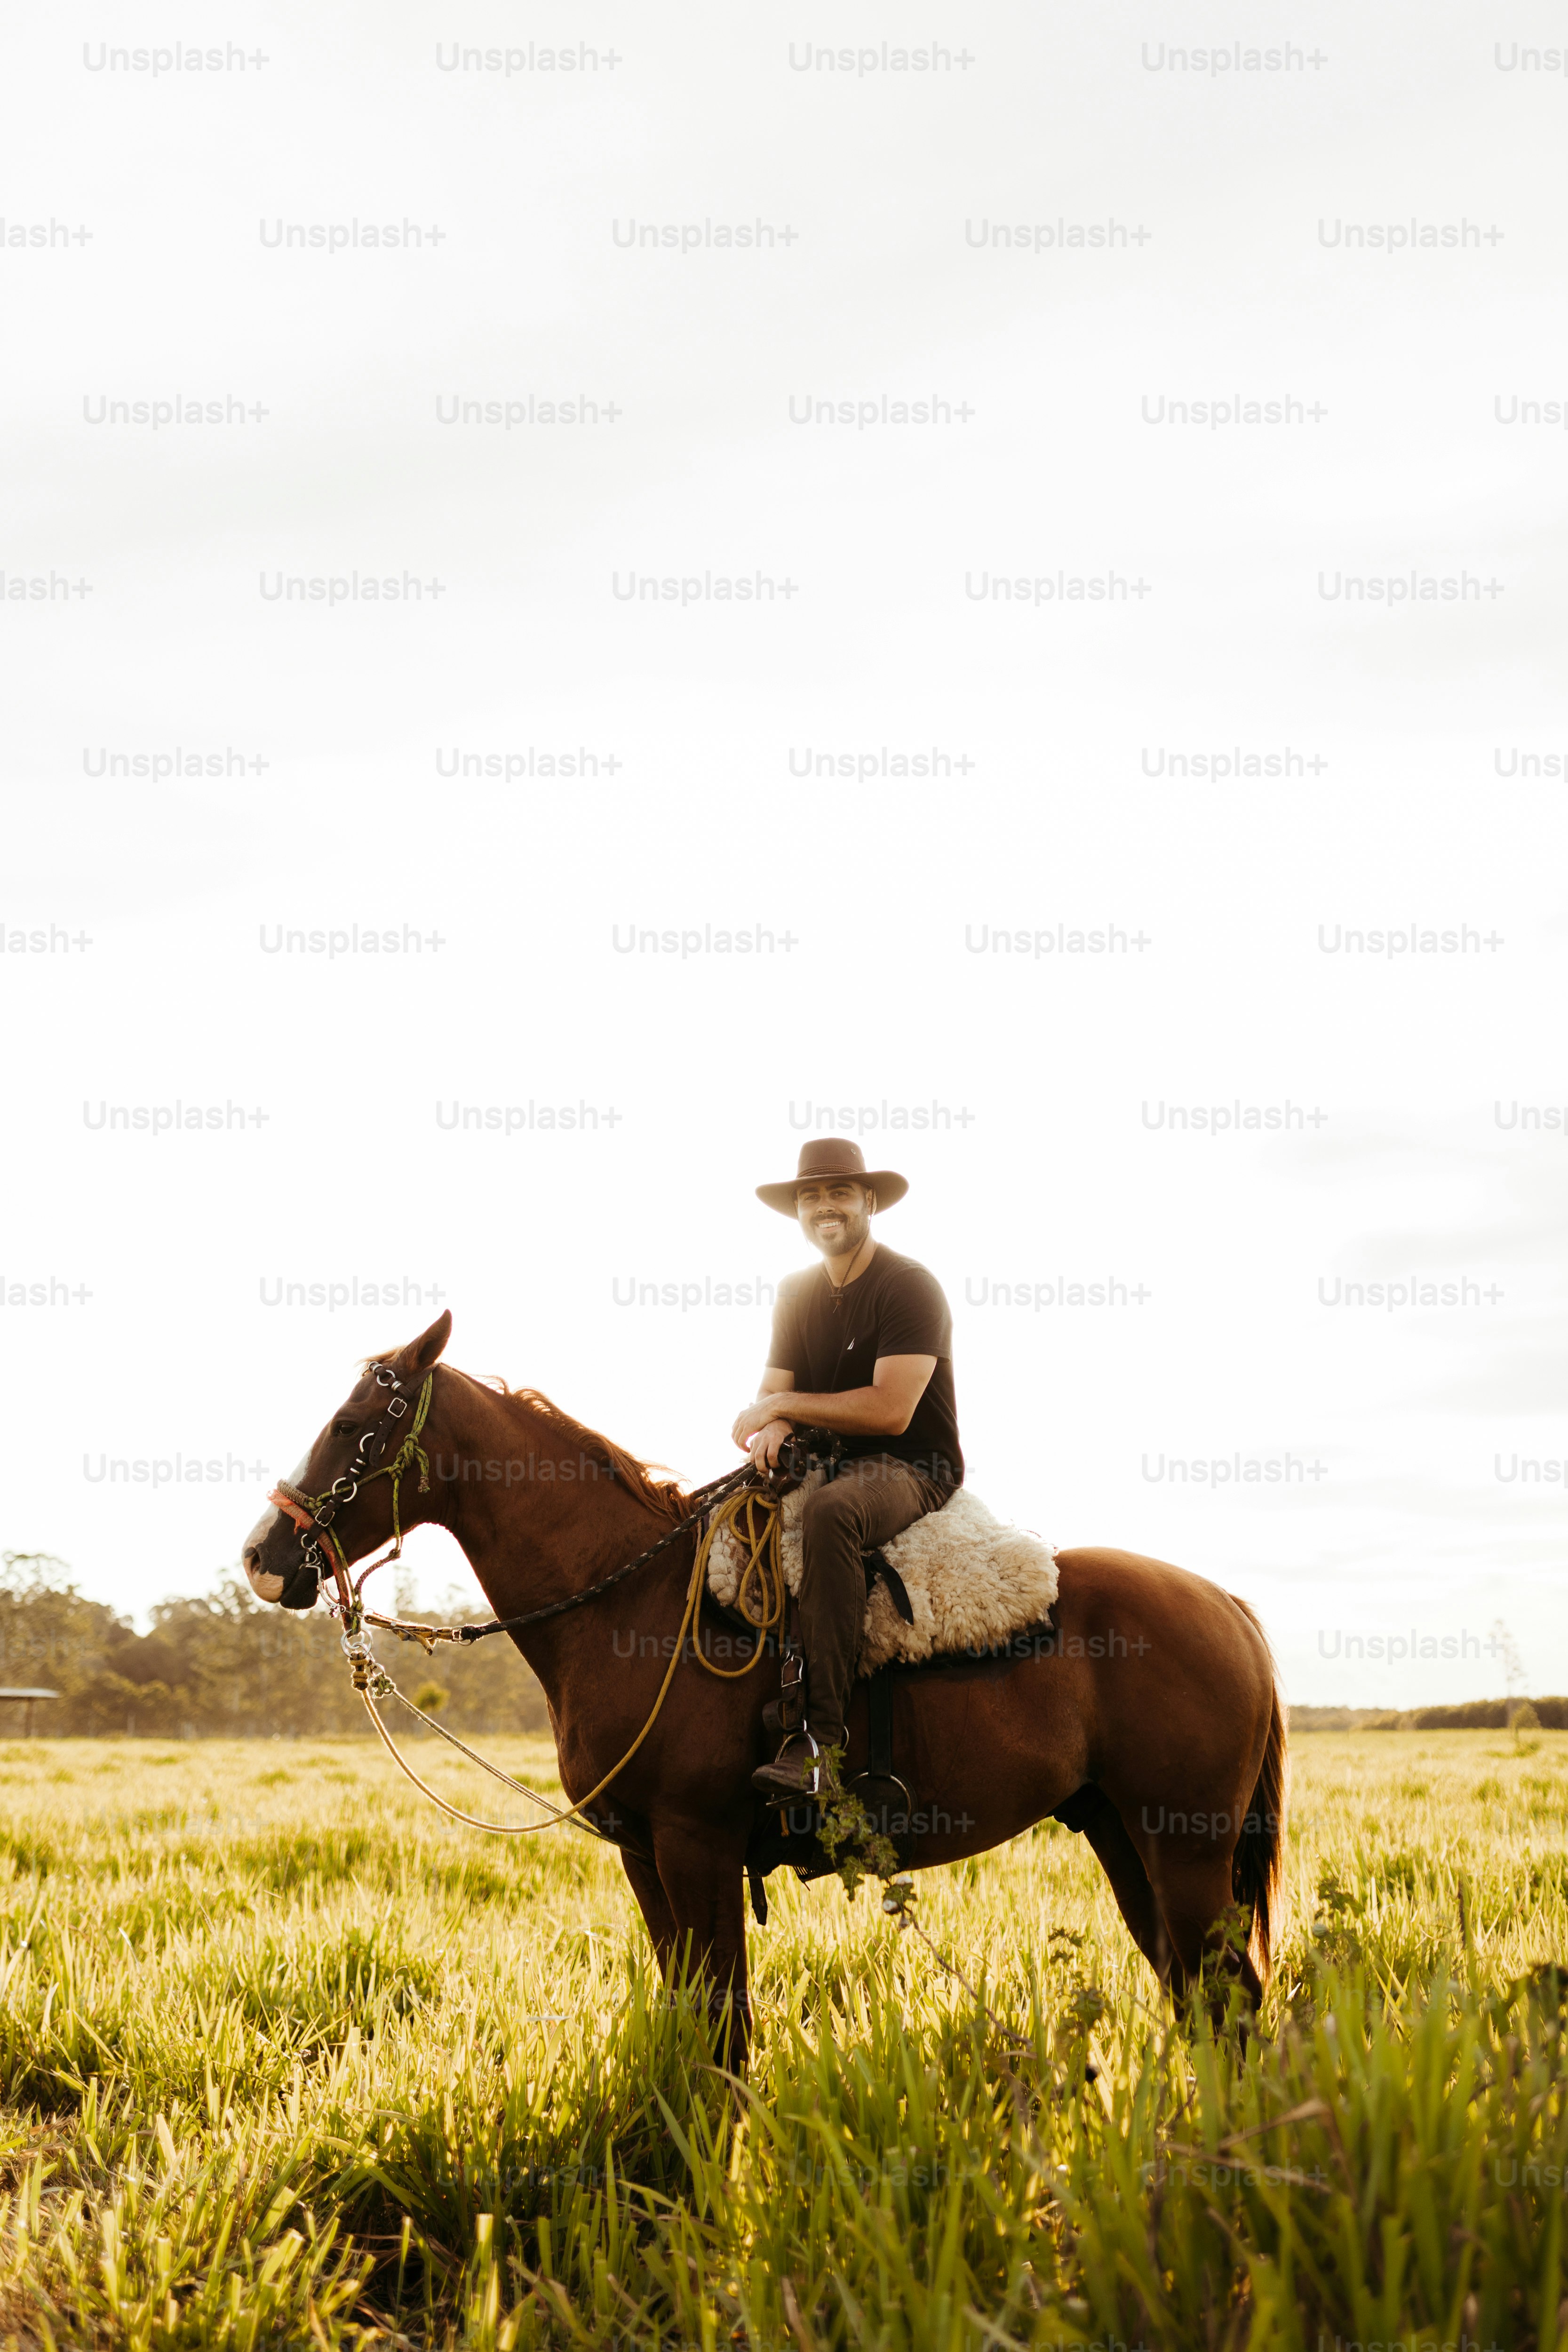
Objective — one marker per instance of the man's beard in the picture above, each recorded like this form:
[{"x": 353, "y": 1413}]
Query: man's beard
[{"x": 856, "y": 1230}]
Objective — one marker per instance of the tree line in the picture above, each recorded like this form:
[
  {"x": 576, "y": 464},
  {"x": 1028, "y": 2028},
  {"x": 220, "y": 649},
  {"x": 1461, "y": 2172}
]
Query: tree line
[
  {"x": 224, "y": 1665},
  {"x": 1469, "y": 1715}
]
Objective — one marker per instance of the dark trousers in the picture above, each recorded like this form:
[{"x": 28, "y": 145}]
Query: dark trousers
[{"x": 873, "y": 1498}]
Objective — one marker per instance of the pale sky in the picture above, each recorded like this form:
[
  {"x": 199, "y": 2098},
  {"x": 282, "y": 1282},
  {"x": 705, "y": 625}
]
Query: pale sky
[{"x": 1350, "y": 568}]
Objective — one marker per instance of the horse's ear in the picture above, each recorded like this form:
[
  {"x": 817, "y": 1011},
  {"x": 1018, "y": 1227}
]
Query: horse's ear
[{"x": 428, "y": 1350}]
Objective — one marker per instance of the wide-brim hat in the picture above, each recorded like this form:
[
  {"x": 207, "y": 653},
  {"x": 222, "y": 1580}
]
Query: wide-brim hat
[{"x": 828, "y": 1160}]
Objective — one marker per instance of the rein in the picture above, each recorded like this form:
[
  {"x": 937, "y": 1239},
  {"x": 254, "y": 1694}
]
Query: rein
[
  {"x": 760, "y": 1599},
  {"x": 705, "y": 1498},
  {"x": 733, "y": 1502}
]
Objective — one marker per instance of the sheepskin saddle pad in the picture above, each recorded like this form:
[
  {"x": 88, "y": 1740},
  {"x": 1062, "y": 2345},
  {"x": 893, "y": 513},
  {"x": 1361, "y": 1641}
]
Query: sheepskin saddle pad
[{"x": 972, "y": 1581}]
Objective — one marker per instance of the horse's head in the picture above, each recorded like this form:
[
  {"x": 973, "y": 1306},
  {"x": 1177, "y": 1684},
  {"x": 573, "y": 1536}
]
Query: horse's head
[{"x": 338, "y": 1475}]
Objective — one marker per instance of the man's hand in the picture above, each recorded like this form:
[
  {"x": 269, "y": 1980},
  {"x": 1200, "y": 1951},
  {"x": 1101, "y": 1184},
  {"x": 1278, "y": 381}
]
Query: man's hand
[
  {"x": 765, "y": 1444},
  {"x": 753, "y": 1417},
  {"x": 759, "y": 1432}
]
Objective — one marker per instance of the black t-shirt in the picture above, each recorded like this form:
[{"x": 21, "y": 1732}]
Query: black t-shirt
[{"x": 894, "y": 1308}]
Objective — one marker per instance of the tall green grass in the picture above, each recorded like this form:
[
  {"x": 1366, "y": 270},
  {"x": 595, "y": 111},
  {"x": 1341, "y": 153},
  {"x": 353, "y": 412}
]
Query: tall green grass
[{"x": 285, "y": 2059}]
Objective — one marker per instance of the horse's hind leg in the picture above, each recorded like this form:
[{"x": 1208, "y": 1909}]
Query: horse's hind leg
[
  {"x": 1123, "y": 1866},
  {"x": 1195, "y": 1897}
]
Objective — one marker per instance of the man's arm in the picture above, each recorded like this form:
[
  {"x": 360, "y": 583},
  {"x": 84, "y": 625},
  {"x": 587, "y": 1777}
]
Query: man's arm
[
  {"x": 766, "y": 1435},
  {"x": 884, "y": 1409}
]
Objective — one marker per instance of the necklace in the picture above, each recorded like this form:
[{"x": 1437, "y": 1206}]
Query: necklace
[{"x": 836, "y": 1290}]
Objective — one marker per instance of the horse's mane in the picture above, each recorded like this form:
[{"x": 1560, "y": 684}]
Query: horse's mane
[{"x": 663, "y": 1492}]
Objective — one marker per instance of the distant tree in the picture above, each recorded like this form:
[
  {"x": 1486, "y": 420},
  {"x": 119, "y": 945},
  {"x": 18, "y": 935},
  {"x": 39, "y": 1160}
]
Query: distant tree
[
  {"x": 113, "y": 1703},
  {"x": 1505, "y": 1647},
  {"x": 49, "y": 1636}
]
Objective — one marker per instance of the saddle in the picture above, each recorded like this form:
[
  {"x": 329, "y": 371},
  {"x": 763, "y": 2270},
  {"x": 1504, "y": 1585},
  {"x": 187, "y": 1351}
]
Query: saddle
[{"x": 956, "y": 1581}]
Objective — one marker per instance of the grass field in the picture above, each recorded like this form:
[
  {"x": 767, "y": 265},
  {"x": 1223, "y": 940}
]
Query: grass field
[{"x": 287, "y": 2059}]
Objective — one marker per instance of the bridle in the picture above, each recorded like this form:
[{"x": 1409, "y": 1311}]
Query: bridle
[{"x": 313, "y": 1514}]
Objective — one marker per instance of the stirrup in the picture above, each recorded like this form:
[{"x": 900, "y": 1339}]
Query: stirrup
[{"x": 809, "y": 1787}]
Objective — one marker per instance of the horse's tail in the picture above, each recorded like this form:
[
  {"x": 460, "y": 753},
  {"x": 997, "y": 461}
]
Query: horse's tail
[{"x": 1256, "y": 1863}]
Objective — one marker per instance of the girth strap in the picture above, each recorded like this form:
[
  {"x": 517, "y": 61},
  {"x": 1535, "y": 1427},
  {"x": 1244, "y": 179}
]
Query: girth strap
[{"x": 879, "y": 1710}]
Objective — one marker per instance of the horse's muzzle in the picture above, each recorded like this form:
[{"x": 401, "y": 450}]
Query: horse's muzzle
[
  {"x": 293, "y": 1588},
  {"x": 301, "y": 1591}
]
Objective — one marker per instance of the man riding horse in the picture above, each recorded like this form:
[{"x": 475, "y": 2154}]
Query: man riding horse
[
  {"x": 1149, "y": 1721},
  {"x": 861, "y": 1347}
]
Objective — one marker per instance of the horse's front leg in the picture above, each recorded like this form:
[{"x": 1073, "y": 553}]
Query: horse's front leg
[
  {"x": 701, "y": 1871},
  {"x": 654, "y": 1905}
]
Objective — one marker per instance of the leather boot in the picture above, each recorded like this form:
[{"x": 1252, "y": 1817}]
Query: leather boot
[{"x": 795, "y": 1770}]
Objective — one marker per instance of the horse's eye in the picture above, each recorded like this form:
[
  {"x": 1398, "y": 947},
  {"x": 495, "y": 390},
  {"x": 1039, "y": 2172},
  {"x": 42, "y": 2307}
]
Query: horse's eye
[{"x": 343, "y": 1429}]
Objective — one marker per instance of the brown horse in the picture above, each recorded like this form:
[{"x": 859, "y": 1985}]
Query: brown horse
[{"x": 1149, "y": 1718}]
